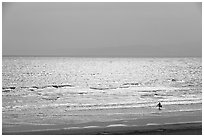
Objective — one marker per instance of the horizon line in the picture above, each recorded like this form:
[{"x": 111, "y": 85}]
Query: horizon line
[{"x": 82, "y": 56}]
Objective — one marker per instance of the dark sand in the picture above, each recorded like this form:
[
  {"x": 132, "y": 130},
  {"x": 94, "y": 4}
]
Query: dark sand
[
  {"x": 186, "y": 123},
  {"x": 176, "y": 129}
]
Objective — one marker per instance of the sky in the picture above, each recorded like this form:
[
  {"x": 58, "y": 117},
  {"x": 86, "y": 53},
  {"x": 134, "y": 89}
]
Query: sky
[{"x": 125, "y": 29}]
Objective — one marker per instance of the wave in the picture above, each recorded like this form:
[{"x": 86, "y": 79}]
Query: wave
[
  {"x": 54, "y": 86},
  {"x": 102, "y": 88},
  {"x": 6, "y": 89},
  {"x": 135, "y": 84}
]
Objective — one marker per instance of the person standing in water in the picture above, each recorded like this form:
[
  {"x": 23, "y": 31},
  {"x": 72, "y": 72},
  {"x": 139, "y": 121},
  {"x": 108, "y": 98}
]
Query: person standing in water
[{"x": 159, "y": 105}]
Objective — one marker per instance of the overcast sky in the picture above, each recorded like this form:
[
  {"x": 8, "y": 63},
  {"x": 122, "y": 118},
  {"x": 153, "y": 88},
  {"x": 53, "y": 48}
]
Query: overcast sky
[{"x": 102, "y": 29}]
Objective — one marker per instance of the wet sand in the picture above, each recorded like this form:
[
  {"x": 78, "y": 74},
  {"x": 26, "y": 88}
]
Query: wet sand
[
  {"x": 177, "y": 123},
  {"x": 176, "y": 129}
]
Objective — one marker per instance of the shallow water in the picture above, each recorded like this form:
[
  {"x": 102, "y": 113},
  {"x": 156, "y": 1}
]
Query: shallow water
[{"x": 36, "y": 89}]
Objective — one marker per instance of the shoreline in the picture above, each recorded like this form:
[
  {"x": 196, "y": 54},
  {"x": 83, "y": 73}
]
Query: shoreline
[
  {"x": 193, "y": 128},
  {"x": 188, "y": 123}
]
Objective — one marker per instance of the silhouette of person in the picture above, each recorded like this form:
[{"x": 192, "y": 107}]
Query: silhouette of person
[{"x": 159, "y": 105}]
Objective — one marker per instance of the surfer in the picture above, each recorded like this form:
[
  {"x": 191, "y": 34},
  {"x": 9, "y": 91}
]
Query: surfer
[{"x": 159, "y": 105}]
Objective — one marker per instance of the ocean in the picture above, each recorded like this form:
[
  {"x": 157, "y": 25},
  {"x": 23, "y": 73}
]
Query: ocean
[{"x": 59, "y": 90}]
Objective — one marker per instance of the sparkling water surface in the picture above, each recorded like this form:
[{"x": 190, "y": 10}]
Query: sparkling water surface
[{"x": 36, "y": 89}]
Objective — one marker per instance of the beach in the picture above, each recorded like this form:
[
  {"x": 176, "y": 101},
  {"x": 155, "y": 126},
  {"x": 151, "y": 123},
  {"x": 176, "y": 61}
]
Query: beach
[{"x": 176, "y": 123}]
